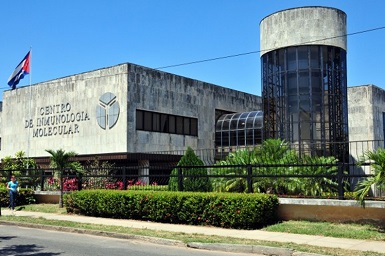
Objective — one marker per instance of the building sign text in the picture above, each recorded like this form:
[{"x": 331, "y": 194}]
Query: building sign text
[{"x": 55, "y": 120}]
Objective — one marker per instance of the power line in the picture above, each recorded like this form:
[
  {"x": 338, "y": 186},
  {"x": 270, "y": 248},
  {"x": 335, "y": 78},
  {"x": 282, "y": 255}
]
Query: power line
[
  {"x": 259, "y": 51},
  {"x": 267, "y": 50}
]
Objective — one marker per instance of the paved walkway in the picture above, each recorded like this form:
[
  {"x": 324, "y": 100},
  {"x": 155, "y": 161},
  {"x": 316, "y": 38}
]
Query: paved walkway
[{"x": 351, "y": 244}]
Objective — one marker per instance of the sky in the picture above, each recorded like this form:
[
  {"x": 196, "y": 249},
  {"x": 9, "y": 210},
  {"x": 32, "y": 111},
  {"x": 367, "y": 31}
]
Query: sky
[{"x": 68, "y": 37}]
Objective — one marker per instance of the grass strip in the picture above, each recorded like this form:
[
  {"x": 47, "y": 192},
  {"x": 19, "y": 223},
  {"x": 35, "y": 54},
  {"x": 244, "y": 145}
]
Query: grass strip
[
  {"x": 183, "y": 237},
  {"x": 338, "y": 230},
  {"x": 355, "y": 231}
]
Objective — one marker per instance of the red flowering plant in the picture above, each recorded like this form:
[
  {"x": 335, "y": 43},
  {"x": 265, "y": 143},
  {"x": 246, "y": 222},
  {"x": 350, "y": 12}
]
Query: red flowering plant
[
  {"x": 141, "y": 185},
  {"x": 61, "y": 160},
  {"x": 114, "y": 185},
  {"x": 101, "y": 175},
  {"x": 70, "y": 184},
  {"x": 51, "y": 184}
]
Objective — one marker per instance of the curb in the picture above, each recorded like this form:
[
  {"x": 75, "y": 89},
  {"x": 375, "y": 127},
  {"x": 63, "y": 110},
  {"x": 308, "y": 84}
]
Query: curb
[{"x": 255, "y": 249}]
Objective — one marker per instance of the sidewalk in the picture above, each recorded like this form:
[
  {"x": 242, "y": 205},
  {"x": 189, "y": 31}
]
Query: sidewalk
[{"x": 350, "y": 244}]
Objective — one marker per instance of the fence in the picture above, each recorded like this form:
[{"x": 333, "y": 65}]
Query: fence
[
  {"x": 356, "y": 149},
  {"x": 335, "y": 178},
  {"x": 315, "y": 180}
]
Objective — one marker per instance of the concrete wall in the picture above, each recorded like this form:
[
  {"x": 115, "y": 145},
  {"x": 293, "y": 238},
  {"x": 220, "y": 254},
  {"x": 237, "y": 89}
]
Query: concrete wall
[
  {"x": 302, "y": 26},
  {"x": 62, "y": 113},
  {"x": 339, "y": 211},
  {"x": 162, "y": 92},
  {"x": 378, "y": 101},
  {"x": 95, "y": 112},
  {"x": 366, "y": 105},
  {"x": 360, "y": 112}
]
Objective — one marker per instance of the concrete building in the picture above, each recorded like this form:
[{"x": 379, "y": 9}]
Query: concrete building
[
  {"x": 366, "y": 105},
  {"x": 304, "y": 79},
  {"x": 366, "y": 113},
  {"x": 116, "y": 113},
  {"x": 130, "y": 115}
]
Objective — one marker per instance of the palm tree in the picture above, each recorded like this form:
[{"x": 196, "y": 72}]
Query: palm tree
[
  {"x": 321, "y": 166},
  {"x": 377, "y": 162},
  {"x": 240, "y": 159},
  {"x": 270, "y": 152},
  {"x": 61, "y": 161}
]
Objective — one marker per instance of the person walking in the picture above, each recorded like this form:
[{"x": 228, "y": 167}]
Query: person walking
[{"x": 12, "y": 186}]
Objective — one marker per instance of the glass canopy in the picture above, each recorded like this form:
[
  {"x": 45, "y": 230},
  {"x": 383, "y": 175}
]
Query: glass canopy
[{"x": 239, "y": 129}]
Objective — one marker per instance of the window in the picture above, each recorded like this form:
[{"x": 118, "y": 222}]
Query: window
[
  {"x": 179, "y": 125},
  {"x": 147, "y": 121},
  {"x": 165, "y": 123},
  {"x": 186, "y": 125},
  {"x": 194, "y": 126},
  {"x": 171, "y": 124},
  {"x": 291, "y": 59},
  {"x": 314, "y": 57},
  {"x": 139, "y": 120},
  {"x": 303, "y": 58},
  {"x": 156, "y": 122}
]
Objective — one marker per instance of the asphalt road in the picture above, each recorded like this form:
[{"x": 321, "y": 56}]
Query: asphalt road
[{"x": 22, "y": 241}]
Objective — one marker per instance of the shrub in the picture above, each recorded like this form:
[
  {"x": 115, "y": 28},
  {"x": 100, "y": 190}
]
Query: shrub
[
  {"x": 241, "y": 211},
  {"x": 271, "y": 152},
  {"x": 24, "y": 197},
  {"x": 275, "y": 159},
  {"x": 229, "y": 210},
  {"x": 194, "y": 179}
]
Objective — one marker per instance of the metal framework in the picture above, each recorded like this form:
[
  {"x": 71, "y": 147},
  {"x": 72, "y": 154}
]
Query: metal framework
[
  {"x": 239, "y": 130},
  {"x": 304, "y": 97}
]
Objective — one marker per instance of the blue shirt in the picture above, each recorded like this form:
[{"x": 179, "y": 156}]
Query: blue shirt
[{"x": 13, "y": 185}]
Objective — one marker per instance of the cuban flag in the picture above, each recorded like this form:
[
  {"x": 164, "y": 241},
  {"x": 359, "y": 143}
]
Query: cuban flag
[{"x": 20, "y": 71}]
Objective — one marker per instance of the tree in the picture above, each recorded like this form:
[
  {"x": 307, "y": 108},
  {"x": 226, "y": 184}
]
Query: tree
[
  {"x": 377, "y": 162},
  {"x": 61, "y": 161},
  {"x": 19, "y": 165},
  {"x": 320, "y": 166},
  {"x": 282, "y": 160},
  {"x": 275, "y": 159},
  {"x": 195, "y": 179},
  {"x": 270, "y": 152},
  {"x": 237, "y": 160}
]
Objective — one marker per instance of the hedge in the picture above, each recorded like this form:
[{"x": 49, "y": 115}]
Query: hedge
[{"x": 228, "y": 210}]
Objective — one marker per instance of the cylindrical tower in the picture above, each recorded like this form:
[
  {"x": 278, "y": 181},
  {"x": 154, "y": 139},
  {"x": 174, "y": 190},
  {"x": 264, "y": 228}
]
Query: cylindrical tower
[{"x": 304, "y": 84}]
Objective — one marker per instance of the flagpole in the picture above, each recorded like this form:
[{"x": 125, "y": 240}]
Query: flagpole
[{"x": 30, "y": 102}]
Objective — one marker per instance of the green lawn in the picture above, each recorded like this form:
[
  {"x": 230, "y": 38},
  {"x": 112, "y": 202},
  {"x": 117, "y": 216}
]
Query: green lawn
[{"x": 339, "y": 230}]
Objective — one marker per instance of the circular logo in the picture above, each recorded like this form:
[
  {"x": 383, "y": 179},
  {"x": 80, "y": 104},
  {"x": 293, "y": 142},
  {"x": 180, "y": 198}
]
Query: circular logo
[{"x": 107, "y": 112}]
